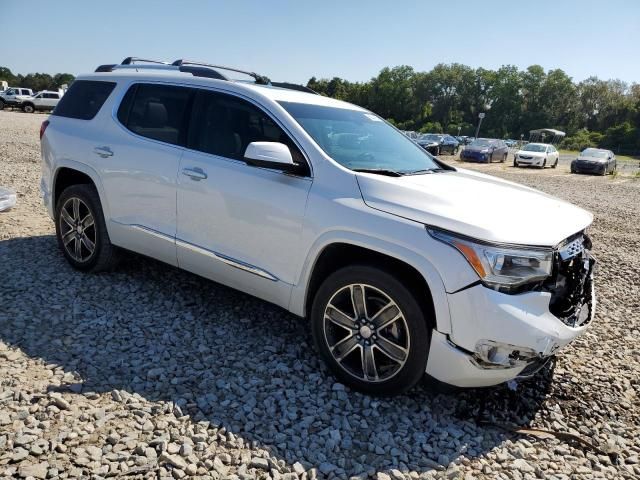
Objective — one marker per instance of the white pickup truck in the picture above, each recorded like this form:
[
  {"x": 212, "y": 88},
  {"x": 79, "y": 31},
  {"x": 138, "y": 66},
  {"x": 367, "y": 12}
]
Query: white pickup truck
[
  {"x": 14, "y": 96},
  {"x": 45, "y": 100}
]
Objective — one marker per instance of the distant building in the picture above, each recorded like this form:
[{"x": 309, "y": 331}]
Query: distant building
[{"x": 3, "y": 85}]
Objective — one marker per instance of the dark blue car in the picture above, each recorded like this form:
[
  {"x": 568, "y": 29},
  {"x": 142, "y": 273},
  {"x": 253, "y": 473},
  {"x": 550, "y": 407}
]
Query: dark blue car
[{"x": 485, "y": 150}]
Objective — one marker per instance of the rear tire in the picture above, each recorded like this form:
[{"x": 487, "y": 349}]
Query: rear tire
[
  {"x": 378, "y": 345},
  {"x": 504, "y": 159},
  {"x": 81, "y": 230}
]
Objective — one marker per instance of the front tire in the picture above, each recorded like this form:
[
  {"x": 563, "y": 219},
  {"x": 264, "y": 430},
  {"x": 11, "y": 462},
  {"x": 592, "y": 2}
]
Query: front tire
[
  {"x": 504, "y": 159},
  {"x": 555, "y": 164},
  {"x": 370, "y": 330},
  {"x": 2, "y": 105},
  {"x": 81, "y": 231},
  {"x": 28, "y": 108}
]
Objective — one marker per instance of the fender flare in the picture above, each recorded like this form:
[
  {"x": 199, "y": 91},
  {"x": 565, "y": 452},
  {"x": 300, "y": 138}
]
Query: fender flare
[{"x": 297, "y": 304}]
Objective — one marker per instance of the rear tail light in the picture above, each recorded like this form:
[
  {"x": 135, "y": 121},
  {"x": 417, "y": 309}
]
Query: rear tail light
[{"x": 43, "y": 127}]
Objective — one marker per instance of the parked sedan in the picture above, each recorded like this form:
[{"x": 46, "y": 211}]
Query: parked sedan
[
  {"x": 485, "y": 150},
  {"x": 594, "y": 160},
  {"x": 437, "y": 144},
  {"x": 429, "y": 143},
  {"x": 536, "y": 155}
]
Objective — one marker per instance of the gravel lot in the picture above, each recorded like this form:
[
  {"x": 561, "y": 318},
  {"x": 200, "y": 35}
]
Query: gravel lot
[{"x": 150, "y": 372}]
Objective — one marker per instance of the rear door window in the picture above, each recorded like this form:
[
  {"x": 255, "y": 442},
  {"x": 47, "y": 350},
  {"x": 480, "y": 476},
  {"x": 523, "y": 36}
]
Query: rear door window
[
  {"x": 159, "y": 112},
  {"x": 84, "y": 99}
]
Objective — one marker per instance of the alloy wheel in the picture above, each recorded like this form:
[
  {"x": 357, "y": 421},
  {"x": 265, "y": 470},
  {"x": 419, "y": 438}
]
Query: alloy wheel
[
  {"x": 366, "y": 332},
  {"x": 77, "y": 229}
]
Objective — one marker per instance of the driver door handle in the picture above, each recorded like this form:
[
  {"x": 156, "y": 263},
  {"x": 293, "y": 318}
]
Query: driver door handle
[{"x": 196, "y": 174}]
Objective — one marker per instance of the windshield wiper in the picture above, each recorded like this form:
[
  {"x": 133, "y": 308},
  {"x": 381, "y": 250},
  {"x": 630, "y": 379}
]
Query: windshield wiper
[
  {"x": 426, "y": 170},
  {"x": 379, "y": 171}
]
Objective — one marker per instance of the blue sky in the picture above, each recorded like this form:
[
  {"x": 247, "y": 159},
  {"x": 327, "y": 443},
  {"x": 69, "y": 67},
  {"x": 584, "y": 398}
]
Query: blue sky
[{"x": 294, "y": 40}]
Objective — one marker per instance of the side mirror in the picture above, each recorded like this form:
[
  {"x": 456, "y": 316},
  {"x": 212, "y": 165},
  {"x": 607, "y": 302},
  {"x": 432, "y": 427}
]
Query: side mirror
[{"x": 269, "y": 155}]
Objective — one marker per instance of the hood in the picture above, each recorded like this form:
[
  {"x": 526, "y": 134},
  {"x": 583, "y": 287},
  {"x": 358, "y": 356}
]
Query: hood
[
  {"x": 476, "y": 205},
  {"x": 428, "y": 143},
  {"x": 592, "y": 159},
  {"x": 526, "y": 153}
]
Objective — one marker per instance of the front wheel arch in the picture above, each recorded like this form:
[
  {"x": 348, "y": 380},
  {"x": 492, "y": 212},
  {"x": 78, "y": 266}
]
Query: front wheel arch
[{"x": 335, "y": 256}]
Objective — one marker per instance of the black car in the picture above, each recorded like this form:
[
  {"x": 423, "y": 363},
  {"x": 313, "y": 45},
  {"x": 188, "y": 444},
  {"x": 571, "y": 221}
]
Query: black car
[
  {"x": 485, "y": 150},
  {"x": 437, "y": 143},
  {"x": 594, "y": 160}
]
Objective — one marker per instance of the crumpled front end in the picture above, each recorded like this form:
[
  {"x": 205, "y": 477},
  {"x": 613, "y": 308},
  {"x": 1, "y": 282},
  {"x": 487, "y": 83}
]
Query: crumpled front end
[{"x": 498, "y": 336}]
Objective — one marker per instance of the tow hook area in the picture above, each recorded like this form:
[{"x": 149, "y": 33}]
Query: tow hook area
[{"x": 490, "y": 354}]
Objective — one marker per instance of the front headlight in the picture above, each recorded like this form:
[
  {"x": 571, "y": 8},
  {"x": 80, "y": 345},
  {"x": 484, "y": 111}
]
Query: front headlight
[{"x": 502, "y": 267}]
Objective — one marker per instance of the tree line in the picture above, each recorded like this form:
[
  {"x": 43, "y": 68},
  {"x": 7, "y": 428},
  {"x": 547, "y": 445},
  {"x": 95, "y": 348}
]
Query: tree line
[
  {"x": 36, "y": 81},
  {"x": 448, "y": 99}
]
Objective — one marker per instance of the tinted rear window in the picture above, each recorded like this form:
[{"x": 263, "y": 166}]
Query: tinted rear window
[{"x": 84, "y": 99}]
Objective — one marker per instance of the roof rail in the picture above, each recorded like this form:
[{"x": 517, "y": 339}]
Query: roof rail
[
  {"x": 132, "y": 60},
  {"x": 260, "y": 79},
  {"x": 198, "y": 69},
  {"x": 294, "y": 86}
]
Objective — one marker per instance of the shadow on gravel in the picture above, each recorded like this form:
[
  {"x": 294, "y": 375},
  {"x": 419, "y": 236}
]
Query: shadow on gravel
[{"x": 237, "y": 362}]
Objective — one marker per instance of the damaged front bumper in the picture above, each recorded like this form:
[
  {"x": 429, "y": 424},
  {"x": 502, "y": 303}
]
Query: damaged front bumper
[{"x": 497, "y": 337}]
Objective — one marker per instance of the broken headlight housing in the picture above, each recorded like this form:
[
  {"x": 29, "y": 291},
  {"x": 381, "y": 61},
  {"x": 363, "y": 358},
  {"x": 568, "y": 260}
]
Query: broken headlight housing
[{"x": 501, "y": 267}]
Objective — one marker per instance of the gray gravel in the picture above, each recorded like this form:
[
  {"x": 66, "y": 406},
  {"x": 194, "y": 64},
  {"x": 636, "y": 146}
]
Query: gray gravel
[{"x": 151, "y": 372}]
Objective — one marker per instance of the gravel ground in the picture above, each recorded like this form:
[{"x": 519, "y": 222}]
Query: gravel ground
[{"x": 149, "y": 372}]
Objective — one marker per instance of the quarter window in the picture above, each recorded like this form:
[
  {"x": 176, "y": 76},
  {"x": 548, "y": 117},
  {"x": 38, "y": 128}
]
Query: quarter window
[
  {"x": 225, "y": 125},
  {"x": 156, "y": 111},
  {"x": 84, "y": 99}
]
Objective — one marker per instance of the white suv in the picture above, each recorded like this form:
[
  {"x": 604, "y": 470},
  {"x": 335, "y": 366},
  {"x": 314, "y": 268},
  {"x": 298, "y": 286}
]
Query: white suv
[
  {"x": 45, "y": 100},
  {"x": 402, "y": 264}
]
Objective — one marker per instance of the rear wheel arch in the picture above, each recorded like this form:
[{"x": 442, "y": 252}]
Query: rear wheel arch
[
  {"x": 76, "y": 173},
  {"x": 335, "y": 256},
  {"x": 66, "y": 177}
]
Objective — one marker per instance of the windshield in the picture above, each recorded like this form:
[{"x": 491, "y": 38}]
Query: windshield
[
  {"x": 481, "y": 142},
  {"x": 532, "y": 147},
  {"x": 360, "y": 140},
  {"x": 592, "y": 152}
]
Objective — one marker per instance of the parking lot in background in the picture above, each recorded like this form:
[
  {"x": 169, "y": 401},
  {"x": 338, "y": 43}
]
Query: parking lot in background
[{"x": 625, "y": 167}]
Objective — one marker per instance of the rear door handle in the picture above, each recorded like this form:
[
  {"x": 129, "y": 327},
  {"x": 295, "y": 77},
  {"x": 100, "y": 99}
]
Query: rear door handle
[
  {"x": 104, "y": 152},
  {"x": 194, "y": 173}
]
